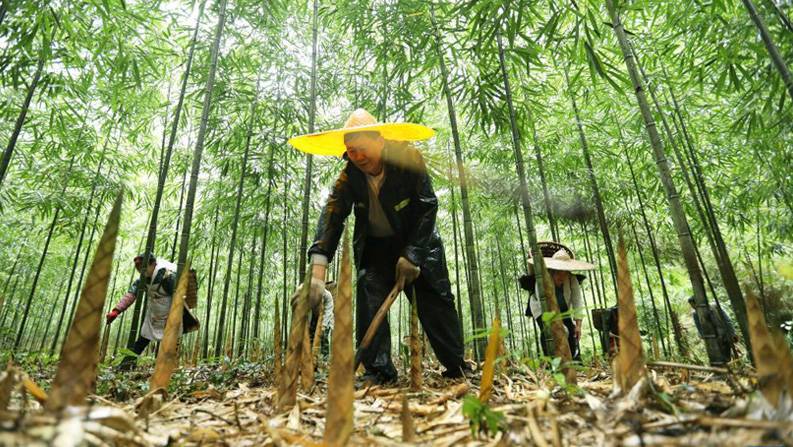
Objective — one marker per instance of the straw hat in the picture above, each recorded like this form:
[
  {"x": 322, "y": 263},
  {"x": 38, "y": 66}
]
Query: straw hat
[
  {"x": 331, "y": 142},
  {"x": 561, "y": 258}
]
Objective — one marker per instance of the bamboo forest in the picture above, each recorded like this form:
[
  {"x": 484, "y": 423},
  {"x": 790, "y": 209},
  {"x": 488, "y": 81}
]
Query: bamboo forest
[{"x": 396, "y": 222}]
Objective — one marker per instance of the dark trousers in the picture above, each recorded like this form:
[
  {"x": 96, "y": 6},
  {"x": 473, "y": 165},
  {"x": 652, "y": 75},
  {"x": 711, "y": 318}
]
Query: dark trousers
[
  {"x": 571, "y": 340},
  {"x": 140, "y": 344},
  {"x": 436, "y": 311}
]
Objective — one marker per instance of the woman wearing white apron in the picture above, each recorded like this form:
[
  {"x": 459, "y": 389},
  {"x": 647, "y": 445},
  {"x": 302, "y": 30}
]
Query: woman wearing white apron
[{"x": 160, "y": 293}]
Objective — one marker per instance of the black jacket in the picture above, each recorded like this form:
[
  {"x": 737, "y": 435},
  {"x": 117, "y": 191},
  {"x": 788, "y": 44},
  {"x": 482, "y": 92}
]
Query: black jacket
[{"x": 409, "y": 203}]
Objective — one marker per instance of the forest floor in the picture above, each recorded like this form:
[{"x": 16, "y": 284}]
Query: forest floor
[{"x": 234, "y": 405}]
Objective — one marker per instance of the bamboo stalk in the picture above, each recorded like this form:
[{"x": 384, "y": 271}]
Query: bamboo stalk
[
  {"x": 629, "y": 367},
  {"x": 287, "y": 391},
  {"x": 415, "y": 348},
  {"x": 76, "y": 376},
  {"x": 168, "y": 355},
  {"x": 339, "y": 409}
]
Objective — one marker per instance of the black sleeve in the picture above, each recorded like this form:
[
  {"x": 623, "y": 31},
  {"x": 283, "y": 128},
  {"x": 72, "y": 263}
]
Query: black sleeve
[
  {"x": 331, "y": 221},
  {"x": 418, "y": 240}
]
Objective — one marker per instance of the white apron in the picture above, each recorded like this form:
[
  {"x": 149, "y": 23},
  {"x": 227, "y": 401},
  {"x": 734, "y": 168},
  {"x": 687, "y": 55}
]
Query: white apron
[{"x": 159, "y": 304}]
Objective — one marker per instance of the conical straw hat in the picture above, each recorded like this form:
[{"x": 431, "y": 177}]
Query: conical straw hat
[
  {"x": 331, "y": 142},
  {"x": 561, "y": 260}
]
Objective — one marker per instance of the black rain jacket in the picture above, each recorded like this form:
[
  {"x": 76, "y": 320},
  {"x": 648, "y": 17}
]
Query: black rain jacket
[{"x": 409, "y": 203}]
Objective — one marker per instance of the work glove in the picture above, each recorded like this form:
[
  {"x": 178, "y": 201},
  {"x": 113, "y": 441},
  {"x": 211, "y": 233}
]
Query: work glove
[
  {"x": 315, "y": 292},
  {"x": 112, "y": 315},
  {"x": 406, "y": 272}
]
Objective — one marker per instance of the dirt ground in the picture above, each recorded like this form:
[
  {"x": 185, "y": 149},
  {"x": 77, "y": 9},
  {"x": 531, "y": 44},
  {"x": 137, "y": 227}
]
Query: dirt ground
[{"x": 216, "y": 405}]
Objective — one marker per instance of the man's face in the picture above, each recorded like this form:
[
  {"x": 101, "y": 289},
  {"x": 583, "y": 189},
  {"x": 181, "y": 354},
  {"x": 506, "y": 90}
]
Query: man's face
[
  {"x": 559, "y": 277},
  {"x": 365, "y": 151},
  {"x": 149, "y": 271}
]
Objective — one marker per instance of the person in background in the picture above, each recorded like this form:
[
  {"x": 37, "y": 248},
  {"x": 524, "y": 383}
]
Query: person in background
[
  {"x": 567, "y": 290},
  {"x": 160, "y": 281},
  {"x": 725, "y": 330}
]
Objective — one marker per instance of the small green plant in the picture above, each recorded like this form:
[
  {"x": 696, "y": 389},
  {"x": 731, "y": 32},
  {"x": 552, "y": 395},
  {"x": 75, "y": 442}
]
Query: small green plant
[
  {"x": 557, "y": 373},
  {"x": 480, "y": 417}
]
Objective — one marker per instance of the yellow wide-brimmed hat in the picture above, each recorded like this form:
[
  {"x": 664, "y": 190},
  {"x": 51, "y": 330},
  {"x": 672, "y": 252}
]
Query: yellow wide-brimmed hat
[{"x": 331, "y": 142}]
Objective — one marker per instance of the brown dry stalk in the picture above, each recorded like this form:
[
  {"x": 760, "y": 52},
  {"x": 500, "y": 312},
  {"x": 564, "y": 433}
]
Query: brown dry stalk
[
  {"x": 307, "y": 365},
  {"x": 103, "y": 346},
  {"x": 768, "y": 358},
  {"x": 415, "y": 347},
  {"x": 562, "y": 348},
  {"x": 629, "y": 367},
  {"x": 277, "y": 344},
  {"x": 7, "y": 385},
  {"x": 287, "y": 393},
  {"x": 406, "y": 417},
  {"x": 33, "y": 389},
  {"x": 196, "y": 349},
  {"x": 489, "y": 368},
  {"x": 318, "y": 333},
  {"x": 455, "y": 392},
  {"x": 168, "y": 355},
  {"x": 76, "y": 374},
  {"x": 339, "y": 407}
]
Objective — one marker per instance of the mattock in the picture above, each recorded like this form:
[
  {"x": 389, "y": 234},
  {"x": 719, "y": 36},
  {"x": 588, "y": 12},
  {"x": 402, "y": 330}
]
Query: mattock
[{"x": 375, "y": 324}]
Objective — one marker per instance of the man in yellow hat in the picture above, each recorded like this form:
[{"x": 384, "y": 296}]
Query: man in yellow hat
[{"x": 396, "y": 242}]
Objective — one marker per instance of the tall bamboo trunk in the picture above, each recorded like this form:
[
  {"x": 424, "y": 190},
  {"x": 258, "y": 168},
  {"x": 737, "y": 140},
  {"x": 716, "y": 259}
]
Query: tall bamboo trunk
[
  {"x": 199, "y": 147},
  {"x": 467, "y": 275},
  {"x": 656, "y": 316},
  {"x": 179, "y": 213},
  {"x": 163, "y": 176},
  {"x": 782, "y": 16},
  {"x": 525, "y": 266},
  {"x": 599, "y": 209},
  {"x": 546, "y": 195},
  {"x": 773, "y": 51},
  {"x": 42, "y": 258},
  {"x": 246, "y": 304},
  {"x": 23, "y": 112},
  {"x": 230, "y": 342},
  {"x": 677, "y": 330},
  {"x": 85, "y": 261},
  {"x": 524, "y": 335},
  {"x": 507, "y": 298},
  {"x": 695, "y": 191},
  {"x": 673, "y": 198},
  {"x": 232, "y": 244},
  {"x": 13, "y": 323},
  {"x": 724, "y": 263},
  {"x": 11, "y": 272},
  {"x": 262, "y": 256},
  {"x": 51, "y": 314},
  {"x": 539, "y": 264},
  {"x": 312, "y": 112},
  {"x": 65, "y": 300},
  {"x": 474, "y": 283},
  {"x": 284, "y": 290},
  {"x": 94, "y": 185},
  {"x": 455, "y": 234}
]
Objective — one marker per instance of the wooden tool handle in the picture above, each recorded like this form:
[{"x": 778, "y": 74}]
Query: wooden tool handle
[{"x": 375, "y": 324}]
